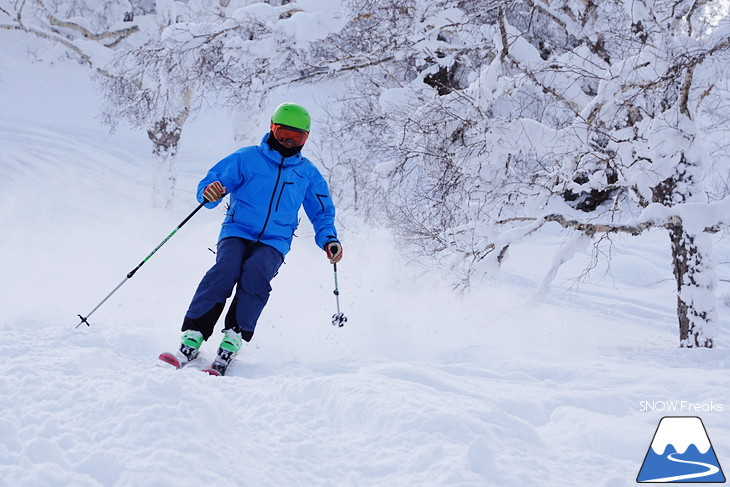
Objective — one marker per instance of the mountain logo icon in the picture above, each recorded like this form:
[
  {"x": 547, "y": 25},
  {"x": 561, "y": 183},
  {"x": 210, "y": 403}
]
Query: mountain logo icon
[{"x": 681, "y": 452}]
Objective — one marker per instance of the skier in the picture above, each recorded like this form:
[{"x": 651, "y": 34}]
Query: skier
[{"x": 267, "y": 184}]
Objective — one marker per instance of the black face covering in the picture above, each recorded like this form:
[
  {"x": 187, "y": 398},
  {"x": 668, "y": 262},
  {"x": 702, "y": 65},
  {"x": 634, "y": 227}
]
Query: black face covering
[{"x": 281, "y": 149}]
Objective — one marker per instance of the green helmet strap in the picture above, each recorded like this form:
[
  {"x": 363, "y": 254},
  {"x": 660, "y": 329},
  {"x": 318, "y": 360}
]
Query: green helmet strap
[{"x": 292, "y": 115}]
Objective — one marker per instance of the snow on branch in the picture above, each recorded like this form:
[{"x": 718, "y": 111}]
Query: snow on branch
[
  {"x": 118, "y": 35},
  {"x": 507, "y": 53},
  {"x": 335, "y": 69},
  {"x": 548, "y": 13},
  {"x": 592, "y": 229},
  {"x": 700, "y": 218}
]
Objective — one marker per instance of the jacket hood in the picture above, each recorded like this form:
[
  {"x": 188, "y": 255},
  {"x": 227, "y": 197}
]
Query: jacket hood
[{"x": 274, "y": 157}]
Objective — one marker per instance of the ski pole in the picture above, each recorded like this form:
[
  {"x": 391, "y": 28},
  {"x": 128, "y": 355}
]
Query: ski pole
[
  {"x": 339, "y": 319},
  {"x": 84, "y": 319}
]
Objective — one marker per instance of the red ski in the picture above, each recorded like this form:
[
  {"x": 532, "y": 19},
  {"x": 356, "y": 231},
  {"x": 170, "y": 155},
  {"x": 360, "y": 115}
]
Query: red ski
[
  {"x": 174, "y": 360},
  {"x": 218, "y": 367},
  {"x": 171, "y": 359}
]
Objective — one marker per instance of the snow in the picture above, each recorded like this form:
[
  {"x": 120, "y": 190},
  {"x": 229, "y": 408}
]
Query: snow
[
  {"x": 306, "y": 27},
  {"x": 303, "y": 20},
  {"x": 257, "y": 10},
  {"x": 422, "y": 387},
  {"x": 166, "y": 11}
]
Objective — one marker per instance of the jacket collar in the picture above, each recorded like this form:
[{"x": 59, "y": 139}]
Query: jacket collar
[{"x": 275, "y": 157}]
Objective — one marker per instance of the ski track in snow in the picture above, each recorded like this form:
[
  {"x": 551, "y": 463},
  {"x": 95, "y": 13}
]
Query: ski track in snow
[{"x": 420, "y": 388}]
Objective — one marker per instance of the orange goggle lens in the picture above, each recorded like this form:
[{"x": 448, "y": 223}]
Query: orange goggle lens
[{"x": 284, "y": 133}]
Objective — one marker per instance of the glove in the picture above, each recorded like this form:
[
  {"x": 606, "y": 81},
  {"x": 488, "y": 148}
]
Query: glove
[
  {"x": 334, "y": 251},
  {"x": 214, "y": 191}
]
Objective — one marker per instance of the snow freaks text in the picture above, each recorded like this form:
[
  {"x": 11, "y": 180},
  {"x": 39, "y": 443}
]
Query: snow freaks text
[{"x": 681, "y": 407}]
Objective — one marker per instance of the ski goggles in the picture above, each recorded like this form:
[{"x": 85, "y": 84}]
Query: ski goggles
[{"x": 285, "y": 133}]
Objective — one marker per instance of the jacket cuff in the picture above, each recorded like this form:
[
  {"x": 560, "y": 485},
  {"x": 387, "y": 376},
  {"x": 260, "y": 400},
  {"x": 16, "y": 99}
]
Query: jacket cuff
[{"x": 328, "y": 239}]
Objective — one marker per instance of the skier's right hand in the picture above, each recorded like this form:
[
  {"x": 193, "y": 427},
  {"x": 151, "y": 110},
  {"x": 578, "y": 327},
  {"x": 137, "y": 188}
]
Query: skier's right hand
[{"x": 214, "y": 191}]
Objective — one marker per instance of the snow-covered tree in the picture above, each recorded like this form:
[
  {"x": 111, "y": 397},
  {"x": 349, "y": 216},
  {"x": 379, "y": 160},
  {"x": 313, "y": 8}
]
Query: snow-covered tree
[
  {"x": 229, "y": 54},
  {"x": 88, "y": 30},
  {"x": 158, "y": 62},
  {"x": 405, "y": 55},
  {"x": 468, "y": 125},
  {"x": 588, "y": 114}
]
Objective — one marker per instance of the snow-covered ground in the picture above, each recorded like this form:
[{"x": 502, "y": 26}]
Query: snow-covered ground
[{"x": 422, "y": 387}]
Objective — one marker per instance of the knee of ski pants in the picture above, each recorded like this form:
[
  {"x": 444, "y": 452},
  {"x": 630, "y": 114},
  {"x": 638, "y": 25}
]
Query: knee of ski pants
[
  {"x": 254, "y": 286},
  {"x": 258, "y": 271},
  {"x": 221, "y": 278}
]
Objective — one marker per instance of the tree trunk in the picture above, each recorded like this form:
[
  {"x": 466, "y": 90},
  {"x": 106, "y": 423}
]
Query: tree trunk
[
  {"x": 692, "y": 265},
  {"x": 165, "y": 135},
  {"x": 695, "y": 288}
]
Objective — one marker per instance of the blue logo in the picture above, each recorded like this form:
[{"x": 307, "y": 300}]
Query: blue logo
[{"x": 681, "y": 452}]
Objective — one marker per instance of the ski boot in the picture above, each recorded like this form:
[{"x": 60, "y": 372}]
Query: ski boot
[
  {"x": 189, "y": 349},
  {"x": 227, "y": 351}
]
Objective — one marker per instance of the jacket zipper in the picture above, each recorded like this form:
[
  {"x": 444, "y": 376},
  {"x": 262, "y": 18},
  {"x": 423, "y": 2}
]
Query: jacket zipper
[
  {"x": 271, "y": 202},
  {"x": 281, "y": 193}
]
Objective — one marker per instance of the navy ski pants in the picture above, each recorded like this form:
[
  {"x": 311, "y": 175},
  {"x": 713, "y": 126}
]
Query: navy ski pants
[{"x": 249, "y": 267}]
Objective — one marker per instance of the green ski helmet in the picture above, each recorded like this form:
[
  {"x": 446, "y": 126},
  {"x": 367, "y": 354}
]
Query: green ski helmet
[{"x": 292, "y": 115}]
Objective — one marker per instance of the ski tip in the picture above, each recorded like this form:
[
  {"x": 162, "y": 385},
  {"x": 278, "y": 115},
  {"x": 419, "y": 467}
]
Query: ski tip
[
  {"x": 211, "y": 372},
  {"x": 169, "y": 358}
]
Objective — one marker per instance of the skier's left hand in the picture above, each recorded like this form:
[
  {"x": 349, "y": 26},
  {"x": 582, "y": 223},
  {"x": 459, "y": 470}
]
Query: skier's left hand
[{"x": 334, "y": 251}]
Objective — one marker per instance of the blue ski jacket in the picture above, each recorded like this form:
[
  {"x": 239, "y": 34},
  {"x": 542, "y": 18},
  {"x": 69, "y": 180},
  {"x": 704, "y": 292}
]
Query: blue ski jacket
[{"x": 266, "y": 192}]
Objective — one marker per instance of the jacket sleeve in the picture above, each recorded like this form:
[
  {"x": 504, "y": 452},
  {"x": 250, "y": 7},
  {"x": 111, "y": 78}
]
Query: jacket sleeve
[
  {"x": 320, "y": 209},
  {"x": 229, "y": 171}
]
